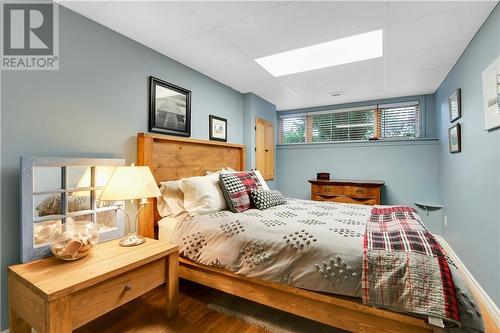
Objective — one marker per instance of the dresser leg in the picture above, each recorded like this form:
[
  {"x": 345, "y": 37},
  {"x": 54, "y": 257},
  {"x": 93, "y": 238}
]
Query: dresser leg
[
  {"x": 58, "y": 317},
  {"x": 172, "y": 285},
  {"x": 17, "y": 324}
]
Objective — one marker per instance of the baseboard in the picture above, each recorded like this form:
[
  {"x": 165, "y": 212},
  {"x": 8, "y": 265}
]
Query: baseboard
[{"x": 478, "y": 291}]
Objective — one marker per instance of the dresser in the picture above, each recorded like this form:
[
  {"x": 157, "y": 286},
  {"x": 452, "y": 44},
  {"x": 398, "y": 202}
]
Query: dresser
[
  {"x": 55, "y": 296},
  {"x": 364, "y": 192}
]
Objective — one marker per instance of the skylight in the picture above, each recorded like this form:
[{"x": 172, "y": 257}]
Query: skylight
[{"x": 336, "y": 52}]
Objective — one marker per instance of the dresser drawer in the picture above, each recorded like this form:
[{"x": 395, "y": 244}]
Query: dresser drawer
[
  {"x": 328, "y": 189},
  {"x": 92, "y": 302},
  {"x": 351, "y": 200},
  {"x": 318, "y": 197},
  {"x": 361, "y": 191}
]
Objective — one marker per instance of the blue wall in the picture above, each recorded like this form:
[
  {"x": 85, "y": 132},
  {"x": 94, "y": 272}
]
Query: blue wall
[
  {"x": 470, "y": 180},
  {"x": 409, "y": 167},
  {"x": 92, "y": 106},
  {"x": 256, "y": 107}
]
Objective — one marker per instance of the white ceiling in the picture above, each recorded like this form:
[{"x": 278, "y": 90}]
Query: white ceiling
[{"x": 422, "y": 41}]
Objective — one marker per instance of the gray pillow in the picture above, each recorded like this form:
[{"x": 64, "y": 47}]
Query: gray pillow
[{"x": 263, "y": 199}]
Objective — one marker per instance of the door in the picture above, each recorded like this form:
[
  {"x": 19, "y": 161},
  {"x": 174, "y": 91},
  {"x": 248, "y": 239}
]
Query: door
[{"x": 264, "y": 148}]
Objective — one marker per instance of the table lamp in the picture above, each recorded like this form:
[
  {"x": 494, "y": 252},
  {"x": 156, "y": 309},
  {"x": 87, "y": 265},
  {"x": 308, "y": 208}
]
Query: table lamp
[{"x": 131, "y": 183}]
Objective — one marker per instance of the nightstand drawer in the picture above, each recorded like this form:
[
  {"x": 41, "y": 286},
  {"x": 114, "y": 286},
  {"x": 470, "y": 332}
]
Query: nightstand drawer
[
  {"x": 328, "y": 189},
  {"x": 103, "y": 297}
]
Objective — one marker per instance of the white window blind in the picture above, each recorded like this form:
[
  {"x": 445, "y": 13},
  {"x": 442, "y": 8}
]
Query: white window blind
[
  {"x": 293, "y": 128},
  {"x": 341, "y": 126},
  {"x": 401, "y": 120}
]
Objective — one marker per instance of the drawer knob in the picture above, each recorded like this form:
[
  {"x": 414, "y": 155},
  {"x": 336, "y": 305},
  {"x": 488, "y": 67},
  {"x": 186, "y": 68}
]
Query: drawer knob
[
  {"x": 128, "y": 287},
  {"x": 327, "y": 189},
  {"x": 359, "y": 190}
]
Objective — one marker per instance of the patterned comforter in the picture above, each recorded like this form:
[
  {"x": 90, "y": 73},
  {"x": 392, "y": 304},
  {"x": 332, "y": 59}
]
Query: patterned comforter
[{"x": 306, "y": 244}]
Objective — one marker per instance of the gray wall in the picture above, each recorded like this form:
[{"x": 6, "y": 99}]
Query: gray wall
[
  {"x": 256, "y": 107},
  {"x": 92, "y": 106},
  {"x": 409, "y": 168},
  {"x": 470, "y": 180}
]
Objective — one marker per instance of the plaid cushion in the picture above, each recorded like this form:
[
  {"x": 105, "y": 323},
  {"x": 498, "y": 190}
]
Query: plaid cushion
[
  {"x": 236, "y": 188},
  {"x": 263, "y": 199}
]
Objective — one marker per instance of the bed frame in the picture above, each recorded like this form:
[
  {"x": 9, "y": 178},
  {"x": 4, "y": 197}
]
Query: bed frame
[{"x": 172, "y": 158}]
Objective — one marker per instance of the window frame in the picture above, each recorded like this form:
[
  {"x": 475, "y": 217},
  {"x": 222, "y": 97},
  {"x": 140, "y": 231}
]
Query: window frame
[{"x": 377, "y": 109}]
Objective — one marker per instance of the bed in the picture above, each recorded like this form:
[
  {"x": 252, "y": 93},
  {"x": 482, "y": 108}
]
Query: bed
[{"x": 334, "y": 301}]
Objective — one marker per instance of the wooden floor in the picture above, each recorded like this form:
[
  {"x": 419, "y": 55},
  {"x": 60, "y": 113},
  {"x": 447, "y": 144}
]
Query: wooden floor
[{"x": 146, "y": 315}]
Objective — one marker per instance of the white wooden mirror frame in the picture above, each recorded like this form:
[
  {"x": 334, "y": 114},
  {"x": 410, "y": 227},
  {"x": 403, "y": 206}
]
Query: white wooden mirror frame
[{"x": 29, "y": 250}]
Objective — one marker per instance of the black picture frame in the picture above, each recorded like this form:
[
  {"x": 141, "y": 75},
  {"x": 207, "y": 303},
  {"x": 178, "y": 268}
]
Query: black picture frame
[
  {"x": 455, "y": 130},
  {"x": 213, "y": 135},
  {"x": 176, "y": 120},
  {"x": 455, "y": 101}
]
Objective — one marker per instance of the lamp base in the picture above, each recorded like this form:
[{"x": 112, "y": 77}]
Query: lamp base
[{"x": 132, "y": 240}]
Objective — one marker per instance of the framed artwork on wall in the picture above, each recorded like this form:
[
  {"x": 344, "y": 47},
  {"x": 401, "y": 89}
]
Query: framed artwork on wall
[
  {"x": 169, "y": 108},
  {"x": 217, "y": 128},
  {"x": 455, "y": 138},
  {"x": 491, "y": 94},
  {"x": 455, "y": 105}
]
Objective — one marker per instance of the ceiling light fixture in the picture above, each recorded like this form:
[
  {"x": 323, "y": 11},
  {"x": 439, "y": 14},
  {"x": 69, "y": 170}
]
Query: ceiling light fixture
[{"x": 336, "y": 52}]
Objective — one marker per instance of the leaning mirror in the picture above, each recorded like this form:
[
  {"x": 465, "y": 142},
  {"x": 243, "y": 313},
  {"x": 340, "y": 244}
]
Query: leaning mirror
[{"x": 61, "y": 191}]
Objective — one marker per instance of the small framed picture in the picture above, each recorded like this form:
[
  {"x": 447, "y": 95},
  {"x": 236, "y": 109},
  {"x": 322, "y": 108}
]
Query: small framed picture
[
  {"x": 455, "y": 139},
  {"x": 169, "y": 108},
  {"x": 455, "y": 105},
  {"x": 217, "y": 128}
]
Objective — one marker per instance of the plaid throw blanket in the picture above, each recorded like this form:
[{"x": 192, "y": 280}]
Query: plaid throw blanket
[{"x": 404, "y": 267}]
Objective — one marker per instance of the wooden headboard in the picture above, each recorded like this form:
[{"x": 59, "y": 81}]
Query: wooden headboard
[{"x": 173, "y": 158}]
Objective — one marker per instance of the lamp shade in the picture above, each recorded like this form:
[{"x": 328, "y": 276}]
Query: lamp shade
[{"x": 130, "y": 182}]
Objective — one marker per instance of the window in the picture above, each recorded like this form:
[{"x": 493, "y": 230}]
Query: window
[
  {"x": 293, "y": 128},
  {"x": 397, "y": 120}
]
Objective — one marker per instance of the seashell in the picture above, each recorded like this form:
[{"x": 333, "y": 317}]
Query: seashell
[
  {"x": 72, "y": 247},
  {"x": 85, "y": 247}
]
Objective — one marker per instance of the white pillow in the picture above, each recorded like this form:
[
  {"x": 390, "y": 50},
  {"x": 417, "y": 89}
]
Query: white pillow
[
  {"x": 171, "y": 202},
  {"x": 202, "y": 194},
  {"x": 223, "y": 170},
  {"x": 261, "y": 180}
]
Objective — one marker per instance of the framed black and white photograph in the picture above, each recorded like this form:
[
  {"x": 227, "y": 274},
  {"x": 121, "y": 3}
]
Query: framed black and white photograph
[
  {"x": 455, "y": 105},
  {"x": 170, "y": 108},
  {"x": 491, "y": 94},
  {"x": 217, "y": 128},
  {"x": 455, "y": 139}
]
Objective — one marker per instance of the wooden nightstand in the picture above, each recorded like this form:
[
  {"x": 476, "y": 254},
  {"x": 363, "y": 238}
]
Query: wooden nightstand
[
  {"x": 55, "y": 296},
  {"x": 365, "y": 192}
]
